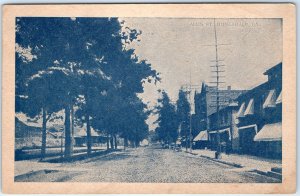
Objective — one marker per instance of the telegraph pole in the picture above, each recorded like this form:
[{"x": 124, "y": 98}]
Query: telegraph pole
[
  {"x": 187, "y": 89},
  {"x": 217, "y": 70},
  {"x": 217, "y": 84},
  {"x": 190, "y": 96}
]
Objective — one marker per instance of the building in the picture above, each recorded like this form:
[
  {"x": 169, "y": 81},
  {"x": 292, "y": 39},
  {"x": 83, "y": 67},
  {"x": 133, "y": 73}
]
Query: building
[
  {"x": 201, "y": 140},
  {"x": 80, "y": 137},
  {"x": 222, "y": 123},
  {"x": 205, "y": 105},
  {"x": 29, "y": 135},
  {"x": 259, "y": 117}
]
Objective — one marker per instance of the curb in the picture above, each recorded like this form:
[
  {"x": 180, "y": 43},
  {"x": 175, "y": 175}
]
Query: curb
[
  {"x": 77, "y": 157},
  {"x": 190, "y": 153},
  {"x": 25, "y": 156},
  {"x": 268, "y": 174},
  {"x": 223, "y": 162}
]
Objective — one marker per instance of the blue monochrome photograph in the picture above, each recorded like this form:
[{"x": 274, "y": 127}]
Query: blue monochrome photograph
[{"x": 148, "y": 100}]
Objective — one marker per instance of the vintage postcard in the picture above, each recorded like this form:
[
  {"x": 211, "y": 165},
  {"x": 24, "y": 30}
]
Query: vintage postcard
[{"x": 149, "y": 98}]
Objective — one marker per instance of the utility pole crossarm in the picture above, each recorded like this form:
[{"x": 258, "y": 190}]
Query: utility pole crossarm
[
  {"x": 217, "y": 60},
  {"x": 218, "y": 65}
]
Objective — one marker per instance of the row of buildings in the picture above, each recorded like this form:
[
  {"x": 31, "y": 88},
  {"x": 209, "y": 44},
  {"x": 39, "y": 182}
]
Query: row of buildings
[
  {"x": 29, "y": 134},
  {"x": 248, "y": 121}
]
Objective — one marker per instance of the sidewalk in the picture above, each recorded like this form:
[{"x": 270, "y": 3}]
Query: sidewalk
[
  {"x": 30, "y": 166},
  {"x": 35, "y": 153},
  {"x": 247, "y": 162}
]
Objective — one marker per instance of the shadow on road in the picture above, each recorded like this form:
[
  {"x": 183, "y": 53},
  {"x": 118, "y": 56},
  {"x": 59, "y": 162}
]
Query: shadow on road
[
  {"x": 110, "y": 157},
  {"x": 47, "y": 176}
]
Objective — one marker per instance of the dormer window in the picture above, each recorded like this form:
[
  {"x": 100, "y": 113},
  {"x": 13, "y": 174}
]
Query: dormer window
[
  {"x": 241, "y": 111},
  {"x": 279, "y": 98},
  {"x": 270, "y": 102},
  {"x": 250, "y": 108}
]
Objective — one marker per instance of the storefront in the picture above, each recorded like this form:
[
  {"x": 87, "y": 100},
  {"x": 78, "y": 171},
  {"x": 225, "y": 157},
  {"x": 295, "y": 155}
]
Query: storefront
[
  {"x": 201, "y": 140},
  {"x": 225, "y": 139},
  {"x": 246, "y": 136},
  {"x": 269, "y": 140}
]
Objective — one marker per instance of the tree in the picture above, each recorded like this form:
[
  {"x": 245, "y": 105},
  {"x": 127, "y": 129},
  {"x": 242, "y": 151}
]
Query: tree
[
  {"x": 90, "y": 56},
  {"x": 60, "y": 44},
  {"x": 125, "y": 117},
  {"x": 42, "y": 97},
  {"x": 183, "y": 113},
  {"x": 42, "y": 52},
  {"x": 167, "y": 120},
  {"x": 114, "y": 68},
  {"x": 135, "y": 127},
  {"x": 127, "y": 74}
]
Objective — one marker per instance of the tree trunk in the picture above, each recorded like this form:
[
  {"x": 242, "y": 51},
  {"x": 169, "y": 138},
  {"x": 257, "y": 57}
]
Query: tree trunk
[
  {"x": 88, "y": 134},
  {"x": 136, "y": 143},
  {"x": 132, "y": 143},
  {"x": 125, "y": 142},
  {"x": 111, "y": 142},
  {"x": 186, "y": 147},
  {"x": 44, "y": 134},
  {"x": 72, "y": 127},
  {"x": 124, "y": 146},
  {"x": 68, "y": 139},
  {"x": 116, "y": 143},
  {"x": 107, "y": 142}
]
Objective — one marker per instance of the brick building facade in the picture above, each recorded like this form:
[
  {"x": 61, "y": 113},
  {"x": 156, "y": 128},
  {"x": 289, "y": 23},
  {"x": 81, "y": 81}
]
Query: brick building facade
[{"x": 205, "y": 104}]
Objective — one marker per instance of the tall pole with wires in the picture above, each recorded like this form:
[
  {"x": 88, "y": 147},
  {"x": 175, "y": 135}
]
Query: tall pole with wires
[
  {"x": 188, "y": 88},
  {"x": 190, "y": 97},
  {"x": 216, "y": 76}
]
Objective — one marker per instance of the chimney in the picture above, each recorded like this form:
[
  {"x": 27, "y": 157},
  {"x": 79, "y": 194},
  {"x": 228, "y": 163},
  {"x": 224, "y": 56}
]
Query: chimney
[{"x": 229, "y": 88}]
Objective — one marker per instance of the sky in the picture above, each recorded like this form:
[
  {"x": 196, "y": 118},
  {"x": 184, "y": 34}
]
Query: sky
[{"x": 181, "y": 50}]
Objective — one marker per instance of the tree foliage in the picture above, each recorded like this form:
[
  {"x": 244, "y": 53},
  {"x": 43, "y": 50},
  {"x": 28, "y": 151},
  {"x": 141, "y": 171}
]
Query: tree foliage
[
  {"x": 183, "y": 113},
  {"x": 63, "y": 62},
  {"x": 167, "y": 129}
]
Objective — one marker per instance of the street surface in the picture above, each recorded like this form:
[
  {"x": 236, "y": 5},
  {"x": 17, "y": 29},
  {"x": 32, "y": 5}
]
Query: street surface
[{"x": 146, "y": 164}]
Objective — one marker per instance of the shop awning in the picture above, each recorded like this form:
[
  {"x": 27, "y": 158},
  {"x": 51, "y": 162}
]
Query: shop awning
[
  {"x": 254, "y": 126},
  {"x": 279, "y": 98},
  {"x": 202, "y": 136},
  {"x": 271, "y": 99},
  {"x": 222, "y": 131},
  {"x": 250, "y": 108},
  {"x": 269, "y": 132},
  {"x": 241, "y": 111}
]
